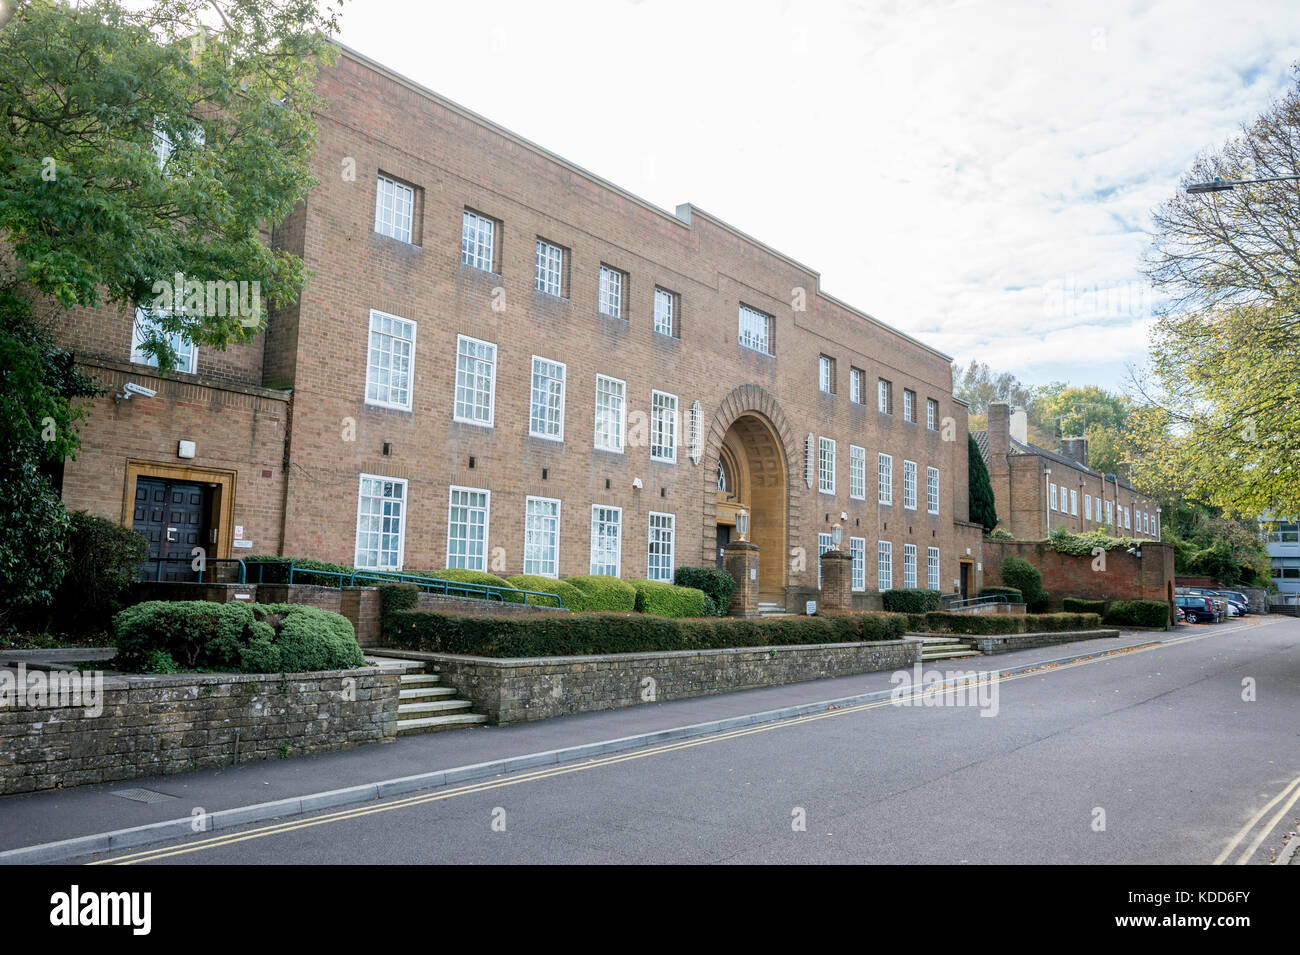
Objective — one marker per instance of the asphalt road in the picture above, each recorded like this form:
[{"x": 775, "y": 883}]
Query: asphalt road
[{"x": 1146, "y": 756}]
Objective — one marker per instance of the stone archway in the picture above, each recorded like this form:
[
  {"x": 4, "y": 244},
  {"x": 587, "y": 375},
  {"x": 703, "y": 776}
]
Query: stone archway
[{"x": 749, "y": 440}]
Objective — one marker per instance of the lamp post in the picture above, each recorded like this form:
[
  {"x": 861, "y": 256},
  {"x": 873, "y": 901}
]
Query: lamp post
[
  {"x": 1219, "y": 184},
  {"x": 742, "y": 522},
  {"x": 837, "y": 535}
]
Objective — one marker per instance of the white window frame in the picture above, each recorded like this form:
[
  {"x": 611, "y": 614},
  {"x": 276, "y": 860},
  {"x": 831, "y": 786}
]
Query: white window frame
[
  {"x": 664, "y": 418},
  {"x": 487, "y": 523},
  {"x": 533, "y": 405},
  {"x": 932, "y": 568},
  {"x": 755, "y": 330},
  {"x": 401, "y": 518},
  {"x": 825, "y": 465},
  {"x": 478, "y": 241},
  {"x": 932, "y": 490},
  {"x": 909, "y": 566},
  {"x": 857, "y": 385},
  {"x": 1052, "y": 495},
  {"x": 931, "y": 414},
  {"x": 395, "y": 209},
  {"x": 909, "y": 405},
  {"x": 651, "y": 541},
  {"x": 610, "y": 298},
  {"x": 826, "y": 374},
  {"x": 492, "y": 382},
  {"x": 1110, "y": 512},
  {"x": 179, "y": 343},
  {"x": 884, "y": 478},
  {"x": 858, "y": 553},
  {"x": 909, "y": 485},
  {"x": 549, "y": 265},
  {"x": 531, "y": 533},
  {"x": 857, "y": 473},
  {"x": 825, "y": 543},
  {"x": 1087, "y": 507},
  {"x": 668, "y": 301},
  {"x": 884, "y": 565},
  {"x": 884, "y": 396},
  {"x": 1074, "y": 502},
  {"x": 620, "y": 424},
  {"x": 375, "y": 372},
  {"x": 597, "y": 522}
]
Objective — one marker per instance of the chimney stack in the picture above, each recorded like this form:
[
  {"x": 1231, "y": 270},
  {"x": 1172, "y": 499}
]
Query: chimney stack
[
  {"x": 1076, "y": 449},
  {"x": 999, "y": 415},
  {"x": 1124, "y": 471},
  {"x": 1020, "y": 425}
]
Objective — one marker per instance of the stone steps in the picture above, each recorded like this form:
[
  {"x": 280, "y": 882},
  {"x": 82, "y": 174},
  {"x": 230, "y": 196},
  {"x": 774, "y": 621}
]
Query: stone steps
[
  {"x": 420, "y": 693},
  {"x": 939, "y": 648},
  {"x": 423, "y": 706}
]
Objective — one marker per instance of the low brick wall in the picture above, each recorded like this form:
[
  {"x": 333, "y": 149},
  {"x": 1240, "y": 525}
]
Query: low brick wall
[
  {"x": 1009, "y": 642},
  {"x": 479, "y": 608},
  {"x": 536, "y": 688},
  {"x": 152, "y": 725}
]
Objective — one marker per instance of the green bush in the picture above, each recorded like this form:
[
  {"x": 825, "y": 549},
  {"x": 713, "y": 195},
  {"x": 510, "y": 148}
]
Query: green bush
[
  {"x": 1023, "y": 576},
  {"x": 1039, "y": 603},
  {"x": 718, "y": 584},
  {"x": 394, "y": 597},
  {"x": 1048, "y": 622},
  {"x": 974, "y": 623},
  {"x": 605, "y": 594},
  {"x": 910, "y": 600},
  {"x": 1012, "y": 595},
  {"x": 668, "y": 600},
  {"x": 1082, "y": 605},
  {"x": 573, "y": 598},
  {"x": 916, "y": 623},
  {"x": 234, "y": 637},
  {"x": 277, "y": 570},
  {"x": 103, "y": 561},
  {"x": 585, "y": 634},
  {"x": 1138, "y": 613},
  {"x": 457, "y": 575}
]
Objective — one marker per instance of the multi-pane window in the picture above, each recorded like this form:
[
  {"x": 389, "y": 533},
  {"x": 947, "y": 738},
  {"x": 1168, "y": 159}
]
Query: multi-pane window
[
  {"x": 885, "y": 478},
  {"x": 909, "y": 405},
  {"x": 542, "y": 536},
  {"x": 826, "y": 374},
  {"x": 857, "y": 386},
  {"x": 909, "y": 485},
  {"x": 909, "y": 565},
  {"x": 1146, "y": 523},
  {"x": 826, "y": 465},
  {"x": 476, "y": 374},
  {"x": 857, "y": 473},
  {"x": 611, "y": 395},
  {"x": 755, "y": 330},
  {"x": 606, "y": 539},
  {"x": 884, "y": 396},
  {"x": 467, "y": 528},
  {"x": 884, "y": 565},
  {"x": 931, "y": 414},
  {"x": 659, "y": 565},
  {"x": 932, "y": 490},
  {"x": 1128, "y": 524},
  {"x": 663, "y": 426},
  {"x": 1074, "y": 502},
  {"x": 477, "y": 241},
  {"x": 858, "y": 551},
  {"x": 546, "y": 408},
  {"x": 611, "y": 292},
  {"x": 1052, "y": 494},
  {"x": 665, "y": 313},
  {"x": 550, "y": 268},
  {"x": 824, "y": 543},
  {"x": 394, "y": 209},
  {"x": 187, "y": 355},
  {"x": 1110, "y": 512},
  {"x": 1087, "y": 507},
  {"x": 388, "y": 362},
  {"x": 932, "y": 567},
  {"x": 381, "y": 520}
]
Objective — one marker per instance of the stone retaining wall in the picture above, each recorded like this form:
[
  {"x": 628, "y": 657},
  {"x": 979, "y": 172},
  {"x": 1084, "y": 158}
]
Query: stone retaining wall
[
  {"x": 535, "y": 688},
  {"x": 153, "y": 725},
  {"x": 1008, "y": 642}
]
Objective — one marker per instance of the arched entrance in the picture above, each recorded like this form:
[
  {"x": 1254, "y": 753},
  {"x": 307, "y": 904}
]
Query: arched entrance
[{"x": 747, "y": 466}]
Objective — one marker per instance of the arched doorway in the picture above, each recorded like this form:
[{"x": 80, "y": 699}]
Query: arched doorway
[{"x": 749, "y": 470}]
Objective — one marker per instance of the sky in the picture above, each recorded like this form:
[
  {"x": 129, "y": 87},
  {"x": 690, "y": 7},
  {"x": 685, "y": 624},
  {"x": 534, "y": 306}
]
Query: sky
[{"x": 977, "y": 173}]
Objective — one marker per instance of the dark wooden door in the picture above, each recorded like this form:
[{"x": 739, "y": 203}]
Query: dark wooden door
[
  {"x": 965, "y": 580},
  {"x": 724, "y": 538},
  {"x": 174, "y": 517}
]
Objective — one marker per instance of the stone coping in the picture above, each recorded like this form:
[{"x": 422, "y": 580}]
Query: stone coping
[{"x": 116, "y": 679}]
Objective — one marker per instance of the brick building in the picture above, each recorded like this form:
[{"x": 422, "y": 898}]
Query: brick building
[
  {"x": 1036, "y": 490},
  {"x": 503, "y": 362}
]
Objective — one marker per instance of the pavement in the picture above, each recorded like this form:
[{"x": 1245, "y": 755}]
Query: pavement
[{"x": 443, "y": 759}]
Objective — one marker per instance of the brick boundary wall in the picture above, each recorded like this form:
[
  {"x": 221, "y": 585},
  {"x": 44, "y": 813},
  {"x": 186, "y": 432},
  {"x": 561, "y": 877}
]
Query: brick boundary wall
[
  {"x": 1126, "y": 577},
  {"x": 535, "y": 688},
  {"x": 156, "y": 725}
]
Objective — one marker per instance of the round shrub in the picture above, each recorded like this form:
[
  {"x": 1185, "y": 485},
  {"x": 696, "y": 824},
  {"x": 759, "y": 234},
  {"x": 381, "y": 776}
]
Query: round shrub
[
  {"x": 718, "y": 584},
  {"x": 1012, "y": 595},
  {"x": 307, "y": 638},
  {"x": 196, "y": 633},
  {"x": 458, "y": 575},
  {"x": 605, "y": 593},
  {"x": 573, "y": 598},
  {"x": 668, "y": 600},
  {"x": 1024, "y": 577}
]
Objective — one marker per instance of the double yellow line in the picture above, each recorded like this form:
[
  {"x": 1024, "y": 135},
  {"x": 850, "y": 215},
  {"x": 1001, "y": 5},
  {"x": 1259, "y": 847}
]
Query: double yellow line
[
  {"x": 1293, "y": 790},
  {"x": 344, "y": 815}
]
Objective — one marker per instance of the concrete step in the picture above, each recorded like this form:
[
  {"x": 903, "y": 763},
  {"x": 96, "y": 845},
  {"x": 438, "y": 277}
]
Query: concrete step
[
  {"x": 433, "y": 724},
  {"x": 422, "y": 693},
  {"x": 420, "y": 679},
  {"x": 394, "y": 663},
  {"x": 414, "y": 711},
  {"x": 948, "y": 654}
]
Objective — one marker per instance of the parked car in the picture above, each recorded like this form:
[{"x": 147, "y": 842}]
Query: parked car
[
  {"x": 1237, "y": 597},
  {"x": 1199, "y": 608},
  {"x": 1182, "y": 617},
  {"x": 1220, "y": 601}
]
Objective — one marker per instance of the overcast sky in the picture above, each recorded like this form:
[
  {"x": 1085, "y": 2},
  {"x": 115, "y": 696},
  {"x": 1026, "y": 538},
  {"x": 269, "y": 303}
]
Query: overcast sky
[{"x": 977, "y": 173}]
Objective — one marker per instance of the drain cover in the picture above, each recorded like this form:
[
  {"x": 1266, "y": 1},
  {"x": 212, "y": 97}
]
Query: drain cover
[{"x": 142, "y": 795}]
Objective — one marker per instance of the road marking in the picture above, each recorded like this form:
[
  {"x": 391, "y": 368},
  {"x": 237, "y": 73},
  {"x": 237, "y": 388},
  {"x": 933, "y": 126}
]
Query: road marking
[
  {"x": 215, "y": 842},
  {"x": 1254, "y": 820}
]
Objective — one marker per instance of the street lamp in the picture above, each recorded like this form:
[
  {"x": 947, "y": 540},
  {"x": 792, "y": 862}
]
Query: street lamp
[
  {"x": 837, "y": 535},
  {"x": 742, "y": 522},
  {"x": 1219, "y": 184}
]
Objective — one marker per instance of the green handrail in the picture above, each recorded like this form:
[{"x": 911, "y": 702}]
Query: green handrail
[{"x": 427, "y": 584}]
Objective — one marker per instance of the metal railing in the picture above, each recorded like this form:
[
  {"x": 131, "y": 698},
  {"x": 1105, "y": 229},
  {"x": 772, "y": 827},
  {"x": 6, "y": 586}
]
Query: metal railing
[
  {"x": 202, "y": 568},
  {"x": 966, "y": 603}
]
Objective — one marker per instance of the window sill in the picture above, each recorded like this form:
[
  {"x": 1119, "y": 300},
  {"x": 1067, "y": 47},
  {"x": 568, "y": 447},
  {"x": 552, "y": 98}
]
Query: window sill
[
  {"x": 370, "y": 403},
  {"x": 392, "y": 238},
  {"x": 474, "y": 424}
]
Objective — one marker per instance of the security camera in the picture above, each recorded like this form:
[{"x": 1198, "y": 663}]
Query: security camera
[{"x": 131, "y": 388}]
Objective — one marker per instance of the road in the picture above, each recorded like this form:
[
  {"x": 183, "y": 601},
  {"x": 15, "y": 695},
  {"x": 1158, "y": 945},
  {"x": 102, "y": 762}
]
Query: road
[{"x": 1146, "y": 756}]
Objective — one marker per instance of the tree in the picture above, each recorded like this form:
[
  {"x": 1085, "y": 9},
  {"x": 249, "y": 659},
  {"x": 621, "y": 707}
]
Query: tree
[
  {"x": 1091, "y": 412},
  {"x": 979, "y": 386},
  {"x": 982, "y": 509},
  {"x": 1223, "y": 387},
  {"x": 139, "y": 145},
  {"x": 1208, "y": 544}
]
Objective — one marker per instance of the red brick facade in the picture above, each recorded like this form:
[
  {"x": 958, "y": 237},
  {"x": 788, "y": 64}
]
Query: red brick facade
[{"x": 1121, "y": 576}]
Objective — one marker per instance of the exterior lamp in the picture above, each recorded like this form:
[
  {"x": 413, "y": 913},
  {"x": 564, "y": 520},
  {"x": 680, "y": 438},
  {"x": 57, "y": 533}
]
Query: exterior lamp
[
  {"x": 1219, "y": 184},
  {"x": 837, "y": 535},
  {"x": 742, "y": 522}
]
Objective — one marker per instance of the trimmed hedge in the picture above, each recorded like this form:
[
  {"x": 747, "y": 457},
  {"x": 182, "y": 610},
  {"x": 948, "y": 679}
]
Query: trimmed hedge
[
  {"x": 241, "y": 638},
  {"x": 1038, "y": 603},
  {"x": 394, "y": 597},
  {"x": 604, "y": 593},
  {"x": 717, "y": 584},
  {"x": 668, "y": 600},
  {"x": 916, "y": 623},
  {"x": 1138, "y": 613},
  {"x": 586, "y": 634},
  {"x": 572, "y": 598},
  {"x": 1015, "y": 596},
  {"x": 910, "y": 600},
  {"x": 987, "y": 624},
  {"x": 1081, "y": 605},
  {"x": 483, "y": 578}
]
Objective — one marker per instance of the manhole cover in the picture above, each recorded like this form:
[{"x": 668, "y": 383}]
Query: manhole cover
[{"x": 142, "y": 795}]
